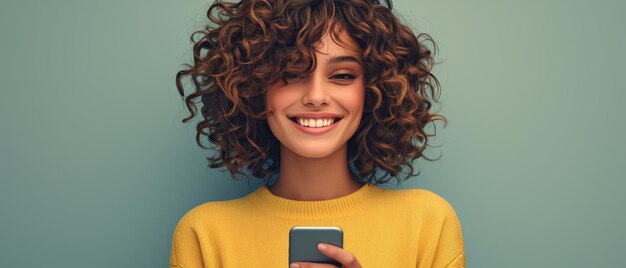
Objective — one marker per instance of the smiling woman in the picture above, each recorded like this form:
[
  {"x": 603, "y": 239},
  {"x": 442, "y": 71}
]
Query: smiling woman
[
  {"x": 333, "y": 91},
  {"x": 303, "y": 91}
]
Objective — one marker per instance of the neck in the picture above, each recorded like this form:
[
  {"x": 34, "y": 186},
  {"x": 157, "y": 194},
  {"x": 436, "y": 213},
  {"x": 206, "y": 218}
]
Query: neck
[{"x": 314, "y": 179}]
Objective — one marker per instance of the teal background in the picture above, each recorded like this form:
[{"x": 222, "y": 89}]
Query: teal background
[{"x": 96, "y": 167}]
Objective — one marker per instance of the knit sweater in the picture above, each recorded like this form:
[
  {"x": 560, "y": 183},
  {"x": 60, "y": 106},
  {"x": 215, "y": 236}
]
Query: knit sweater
[{"x": 382, "y": 228}]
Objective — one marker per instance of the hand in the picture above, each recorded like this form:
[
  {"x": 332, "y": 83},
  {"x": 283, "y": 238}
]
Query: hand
[{"x": 342, "y": 256}]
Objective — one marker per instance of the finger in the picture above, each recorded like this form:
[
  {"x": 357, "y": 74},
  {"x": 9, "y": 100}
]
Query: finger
[{"x": 339, "y": 254}]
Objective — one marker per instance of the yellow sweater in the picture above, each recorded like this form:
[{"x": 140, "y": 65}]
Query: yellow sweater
[{"x": 382, "y": 228}]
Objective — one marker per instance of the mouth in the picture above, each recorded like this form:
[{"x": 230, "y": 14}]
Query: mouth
[{"x": 315, "y": 123}]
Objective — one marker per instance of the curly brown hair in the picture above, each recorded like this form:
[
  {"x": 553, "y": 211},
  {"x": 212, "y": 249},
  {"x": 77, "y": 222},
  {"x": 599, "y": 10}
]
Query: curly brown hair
[{"x": 253, "y": 43}]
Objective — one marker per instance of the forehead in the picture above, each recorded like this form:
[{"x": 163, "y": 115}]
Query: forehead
[{"x": 337, "y": 45}]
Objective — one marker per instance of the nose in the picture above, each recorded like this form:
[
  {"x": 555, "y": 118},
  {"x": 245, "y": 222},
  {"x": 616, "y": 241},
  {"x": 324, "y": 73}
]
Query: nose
[{"x": 315, "y": 93}]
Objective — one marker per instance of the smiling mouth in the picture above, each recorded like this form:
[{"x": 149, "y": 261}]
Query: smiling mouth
[{"x": 295, "y": 120}]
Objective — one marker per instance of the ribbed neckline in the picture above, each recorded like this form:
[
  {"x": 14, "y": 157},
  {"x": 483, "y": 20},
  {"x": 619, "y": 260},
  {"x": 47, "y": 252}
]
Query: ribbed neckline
[{"x": 296, "y": 209}]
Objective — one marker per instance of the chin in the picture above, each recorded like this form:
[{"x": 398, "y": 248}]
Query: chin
[{"x": 313, "y": 151}]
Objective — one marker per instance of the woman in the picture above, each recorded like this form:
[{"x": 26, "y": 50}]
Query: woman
[{"x": 323, "y": 96}]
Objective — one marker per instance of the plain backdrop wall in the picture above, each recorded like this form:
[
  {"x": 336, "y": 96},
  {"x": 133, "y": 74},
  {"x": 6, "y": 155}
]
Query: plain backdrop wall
[{"x": 96, "y": 167}]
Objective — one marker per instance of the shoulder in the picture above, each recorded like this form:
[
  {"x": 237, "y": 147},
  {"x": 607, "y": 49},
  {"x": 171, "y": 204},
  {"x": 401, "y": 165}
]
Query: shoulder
[
  {"x": 428, "y": 198},
  {"x": 424, "y": 202},
  {"x": 419, "y": 197},
  {"x": 193, "y": 236},
  {"x": 209, "y": 211}
]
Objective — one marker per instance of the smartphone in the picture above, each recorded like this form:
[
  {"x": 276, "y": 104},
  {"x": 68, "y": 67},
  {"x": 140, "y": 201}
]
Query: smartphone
[{"x": 303, "y": 242}]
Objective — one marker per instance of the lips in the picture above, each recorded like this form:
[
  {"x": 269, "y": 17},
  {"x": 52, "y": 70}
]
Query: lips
[
  {"x": 316, "y": 115},
  {"x": 315, "y": 131},
  {"x": 295, "y": 119}
]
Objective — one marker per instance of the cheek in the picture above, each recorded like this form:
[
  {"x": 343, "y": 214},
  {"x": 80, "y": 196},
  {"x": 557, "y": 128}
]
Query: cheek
[
  {"x": 355, "y": 100},
  {"x": 272, "y": 94},
  {"x": 277, "y": 99},
  {"x": 273, "y": 106}
]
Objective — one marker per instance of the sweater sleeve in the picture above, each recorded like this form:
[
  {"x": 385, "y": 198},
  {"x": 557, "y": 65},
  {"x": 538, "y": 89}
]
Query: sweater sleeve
[
  {"x": 450, "y": 249},
  {"x": 186, "y": 251}
]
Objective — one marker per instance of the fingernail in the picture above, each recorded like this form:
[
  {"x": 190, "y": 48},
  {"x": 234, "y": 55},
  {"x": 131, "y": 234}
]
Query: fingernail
[
  {"x": 294, "y": 265},
  {"x": 320, "y": 246}
]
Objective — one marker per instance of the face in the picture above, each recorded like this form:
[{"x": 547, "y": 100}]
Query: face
[{"x": 315, "y": 114}]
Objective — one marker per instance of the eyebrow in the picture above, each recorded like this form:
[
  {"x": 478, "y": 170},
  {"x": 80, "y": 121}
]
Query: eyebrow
[{"x": 338, "y": 59}]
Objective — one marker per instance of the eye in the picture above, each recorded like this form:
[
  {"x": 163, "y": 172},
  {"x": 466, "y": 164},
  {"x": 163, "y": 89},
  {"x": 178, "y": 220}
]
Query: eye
[{"x": 344, "y": 76}]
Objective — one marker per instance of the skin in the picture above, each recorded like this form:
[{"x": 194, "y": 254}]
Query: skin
[{"x": 316, "y": 168}]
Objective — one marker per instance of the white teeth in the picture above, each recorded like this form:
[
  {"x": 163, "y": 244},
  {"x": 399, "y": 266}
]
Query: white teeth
[{"x": 313, "y": 123}]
